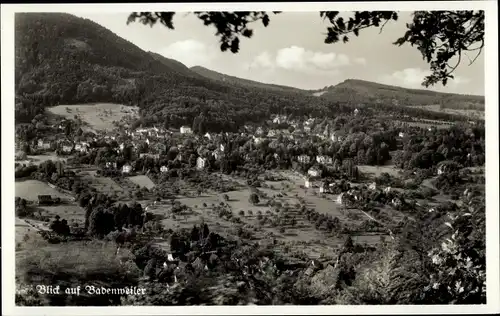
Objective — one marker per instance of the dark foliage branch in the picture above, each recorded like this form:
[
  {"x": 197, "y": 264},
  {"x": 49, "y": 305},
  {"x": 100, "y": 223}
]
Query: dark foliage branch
[
  {"x": 440, "y": 36},
  {"x": 229, "y": 25}
]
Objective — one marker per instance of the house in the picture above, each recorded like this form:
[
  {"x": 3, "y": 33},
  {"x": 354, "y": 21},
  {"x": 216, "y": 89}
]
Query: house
[
  {"x": 217, "y": 154},
  {"x": 341, "y": 198},
  {"x": 186, "y": 130},
  {"x": 164, "y": 169},
  {"x": 304, "y": 159},
  {"x": 67, "y": 147},
  {"x": 372, "y": 186},
  {"x": 337, "y": 136},
  {"x": 314, "y": 172},
  {"x": 43, "y": 144},
  {"x": 207, "y": 135},
  {"x": 307, "y": 128},
  {"x": 387, "y": 190},
  {"x": 259, "y": 131},
  {"x": 110, "y": 165},
  {"x": 272, "y": 133},
  {"x": 222, "y": 147},
  {"x": 356, "y": 111},
  {"x": 447, "y": 166},
  {"x": 201, "y": 163},
  {"x": 324, "y": 160},
  {"x": 126, "y": 168},
  {"x": 257, "y": 140},
  {"x": 401, "y": 134},
  {"x": 308, "y": 183}
]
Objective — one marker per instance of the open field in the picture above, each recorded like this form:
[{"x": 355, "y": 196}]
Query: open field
[
  {"x": 31, "y": 189},
  {"x": 469, "y": 113},
  {"x": 142, "y": 181},
  {"x": 72, "y": 213},
  {"x": 38, "y": 159},
  {"x": 375, "y": 171},
  {"x": 100, "y": 183},
  {"x": 99, "y": 116}
]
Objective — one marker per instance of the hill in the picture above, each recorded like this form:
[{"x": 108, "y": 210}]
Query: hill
[
  {"x": 370, "y": 92},
  {"x": 62, "y": 59},
  {"x": 239, "y": 81}
]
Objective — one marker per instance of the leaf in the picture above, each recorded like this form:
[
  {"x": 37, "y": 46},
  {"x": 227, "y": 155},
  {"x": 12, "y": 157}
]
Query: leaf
[
  {"x": 247, "y": 33},
  {"x": 356, "y": 32},
  {"x": 345, "y": 39},
  {"x": 265, "y": 20}
]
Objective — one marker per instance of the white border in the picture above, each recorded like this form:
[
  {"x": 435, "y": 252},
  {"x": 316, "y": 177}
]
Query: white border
[{"x": 492, "y": 149}]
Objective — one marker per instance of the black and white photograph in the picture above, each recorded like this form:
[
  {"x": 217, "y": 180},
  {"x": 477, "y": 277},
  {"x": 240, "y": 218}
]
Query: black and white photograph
[{"x": 295, "y": 159}]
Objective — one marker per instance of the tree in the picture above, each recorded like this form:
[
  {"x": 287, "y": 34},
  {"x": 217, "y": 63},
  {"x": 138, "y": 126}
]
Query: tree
[
  {"x": 254, "y": 198},
  {"x": 440, "y": 36}
]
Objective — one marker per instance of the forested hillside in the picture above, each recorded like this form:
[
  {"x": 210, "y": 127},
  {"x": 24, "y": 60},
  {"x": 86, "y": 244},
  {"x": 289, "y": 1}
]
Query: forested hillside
[
  {"x": 370, "y": 92},
  {"x": 63, "y": 59},
  {"x": 239, "y": 81}
]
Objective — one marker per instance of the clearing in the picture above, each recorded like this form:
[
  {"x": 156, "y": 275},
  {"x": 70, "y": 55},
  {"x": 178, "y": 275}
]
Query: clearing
[
  {"x": 142, "y": 181},
  {"x": 99, "y": 116},
  {"x": 31, "y": 189}
]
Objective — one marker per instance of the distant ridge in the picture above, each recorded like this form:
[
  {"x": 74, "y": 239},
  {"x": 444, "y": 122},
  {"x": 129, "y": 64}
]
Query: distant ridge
[{"x": 214, "y": 75}]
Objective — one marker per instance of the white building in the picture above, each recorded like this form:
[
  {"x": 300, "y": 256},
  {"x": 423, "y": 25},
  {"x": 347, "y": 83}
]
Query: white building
[
  {"x": 207, "y": 135},
  {"x": 324, "y": 160},
  {"x": 164, "y": 169},
  {"x": 372, "y": 186},
  {"x": 401, "y": 134},
  {"x": 110, "y": 164},
  {"x": 340, "y": 198},
  {"x": 257, "y": 140},
  {"x": 314, "y": 172},
  {"x": 126, "y": 168},
  {"x": 259, "y": 131},
  {"x": 356, "y": 111},
  {"x": 186, "y": 130},
  {"x": 201, "y": 163},
  {"x": 307, "y": 183},
  {"x": 304, "y": 159}
]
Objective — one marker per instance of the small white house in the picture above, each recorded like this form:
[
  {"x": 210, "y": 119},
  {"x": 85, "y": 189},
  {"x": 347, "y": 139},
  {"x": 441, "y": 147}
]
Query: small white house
[
  {"x": 126, "y": 168},
  {"x": 201, "y": 163},
  {"x": 272, "y": 133},
  {"x": 340, "y": 198},
  {"x": 314, "y": 172},
  {"x": 307, "y": 183},
  {"x": 304, "y": 159},
  {"x": 387, "y": 190},
  {"x": 257, "y": 140},
  {"x": 186, "y": 130},
  {"x": 372, "y": 186},
  {"x": 110, "y": 164},
  {"x": 324, "y": 160},
  {"x": 356, "y": 111},
  {"x": 207, "y": 135},
  {"x": 401, "y": 134},
  {"x": 259, "y": 131},
  {"x": 164, "y": 169}
]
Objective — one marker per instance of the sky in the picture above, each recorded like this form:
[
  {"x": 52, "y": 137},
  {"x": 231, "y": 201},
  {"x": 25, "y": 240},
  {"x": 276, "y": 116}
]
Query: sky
[{"x": 291, "y": 51}]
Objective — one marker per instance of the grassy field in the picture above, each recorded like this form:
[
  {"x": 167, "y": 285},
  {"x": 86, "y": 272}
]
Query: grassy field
[
  {"x": 469, "y": 113},
  {"x": 30, "y": 189},
  {"x": 72, "y": 213},
  {"x": 375, "y": 171},
  {"x": 99, "y": 116},
  {"x": 142, "y": 181},
  {"x": 101, "y": 184}
]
